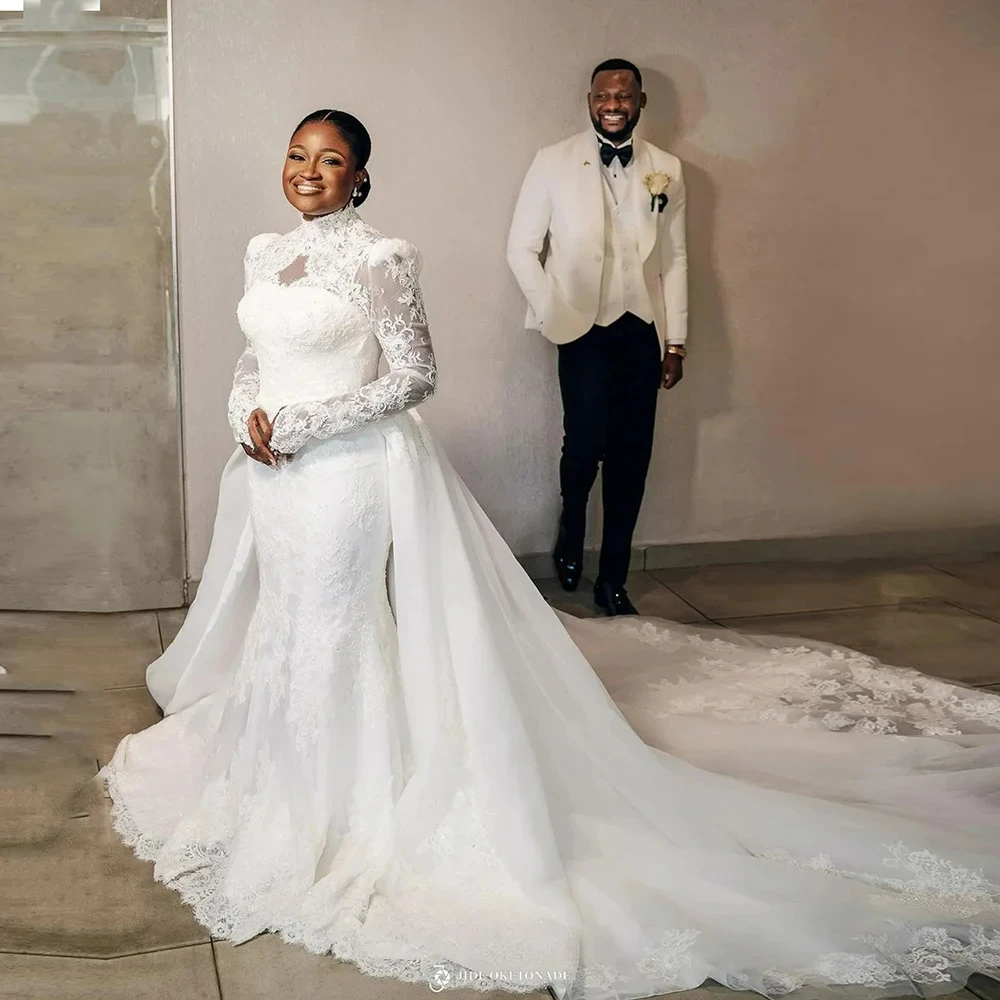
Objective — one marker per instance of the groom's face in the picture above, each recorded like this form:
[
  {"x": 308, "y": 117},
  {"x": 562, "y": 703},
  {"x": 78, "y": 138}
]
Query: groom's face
[{"x": 615, "y": 103}]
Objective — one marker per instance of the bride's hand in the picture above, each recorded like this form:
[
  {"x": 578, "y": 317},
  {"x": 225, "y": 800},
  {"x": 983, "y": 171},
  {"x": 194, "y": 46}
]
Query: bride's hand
[{"x": 259, "y": 427}]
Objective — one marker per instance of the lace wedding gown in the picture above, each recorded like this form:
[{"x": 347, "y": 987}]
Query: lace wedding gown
[{"x": 381, "y": 743}]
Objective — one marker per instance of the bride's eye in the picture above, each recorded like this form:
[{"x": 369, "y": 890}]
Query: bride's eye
[
  {"x": 333, "y": 162},
  {"x": 295, "y": 156}
]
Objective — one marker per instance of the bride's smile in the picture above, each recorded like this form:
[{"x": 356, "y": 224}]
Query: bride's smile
[{"x": 320, "y": 174}]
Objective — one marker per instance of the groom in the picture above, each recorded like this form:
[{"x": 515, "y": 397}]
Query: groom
[{"x": 613, "y": 295}]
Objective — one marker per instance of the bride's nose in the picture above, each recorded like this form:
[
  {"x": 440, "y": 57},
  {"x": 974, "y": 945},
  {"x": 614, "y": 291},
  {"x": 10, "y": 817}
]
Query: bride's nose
[{"x": 309, "y": 172}]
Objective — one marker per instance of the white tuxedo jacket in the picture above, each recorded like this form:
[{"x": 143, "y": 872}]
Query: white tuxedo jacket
[{"x": 562, "y": 198}]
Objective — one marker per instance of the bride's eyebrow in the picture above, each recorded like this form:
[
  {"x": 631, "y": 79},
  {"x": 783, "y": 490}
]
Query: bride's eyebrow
[{"x": 327, "y": 149}]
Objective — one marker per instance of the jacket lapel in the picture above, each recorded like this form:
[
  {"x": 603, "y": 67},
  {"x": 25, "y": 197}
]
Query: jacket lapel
[
  {"x": 586, "y": 172},
  {"x": 645, "y": 219}
]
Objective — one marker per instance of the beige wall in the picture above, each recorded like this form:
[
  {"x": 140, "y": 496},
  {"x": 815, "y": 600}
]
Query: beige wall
[{"x": 843, "y": 223}]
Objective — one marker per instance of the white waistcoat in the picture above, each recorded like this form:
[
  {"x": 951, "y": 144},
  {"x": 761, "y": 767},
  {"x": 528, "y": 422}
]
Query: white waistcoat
[{"x": 623, "y": 287}]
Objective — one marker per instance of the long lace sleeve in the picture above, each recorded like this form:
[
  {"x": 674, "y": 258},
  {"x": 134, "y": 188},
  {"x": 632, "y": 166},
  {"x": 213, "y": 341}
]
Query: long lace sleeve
[
  {"x": 243, "y": 395},
  {"x": 246, "y": 378},
  {"x": 390, "y": 275}
]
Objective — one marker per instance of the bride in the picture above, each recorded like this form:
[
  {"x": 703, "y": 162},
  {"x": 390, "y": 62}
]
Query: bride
[{"x": 382, "y": 744}]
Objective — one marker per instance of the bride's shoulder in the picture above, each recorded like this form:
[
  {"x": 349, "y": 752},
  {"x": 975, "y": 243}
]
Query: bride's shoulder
[
  {"x": 388, "y": 251},
  {"x": 258, "y": 242}
]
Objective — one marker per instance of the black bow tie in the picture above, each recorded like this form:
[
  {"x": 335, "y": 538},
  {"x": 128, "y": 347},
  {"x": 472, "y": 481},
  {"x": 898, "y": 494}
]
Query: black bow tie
[{"x": 609, "y": 152}]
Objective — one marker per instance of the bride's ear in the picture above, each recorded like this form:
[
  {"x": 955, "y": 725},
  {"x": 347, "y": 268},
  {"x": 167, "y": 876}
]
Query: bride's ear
[{"x": 361, "y": 188}]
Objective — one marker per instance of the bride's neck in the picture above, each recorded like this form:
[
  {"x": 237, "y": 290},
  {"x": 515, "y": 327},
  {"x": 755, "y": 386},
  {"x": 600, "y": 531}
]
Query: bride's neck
[{"x": 330, "y": 221}]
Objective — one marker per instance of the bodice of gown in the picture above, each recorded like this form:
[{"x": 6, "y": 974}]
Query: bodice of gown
[
  {"x": 310, "y": 343},
  {"x": 321, "y": 305}
]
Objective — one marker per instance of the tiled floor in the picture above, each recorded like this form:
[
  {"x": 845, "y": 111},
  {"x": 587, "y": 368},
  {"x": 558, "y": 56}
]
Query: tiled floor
[{"x": 80, "y": 917}]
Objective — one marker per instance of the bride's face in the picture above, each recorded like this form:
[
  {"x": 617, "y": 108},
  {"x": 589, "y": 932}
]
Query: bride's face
[{"x": 320, "y": 171}]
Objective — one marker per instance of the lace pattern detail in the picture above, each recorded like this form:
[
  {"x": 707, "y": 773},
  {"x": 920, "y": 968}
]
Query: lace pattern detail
[
  {"x": 927, "y": 955},
  {"x": 932, "y": 956},
  {"x": 395, "y": 307},
  {"x": 934, "y": 881},
  {"x": 841, "y": 690},
  {"x": 246, "y": 378},
  {"x": 378, "y": 279},
  {"x": 202, "y": 864}
]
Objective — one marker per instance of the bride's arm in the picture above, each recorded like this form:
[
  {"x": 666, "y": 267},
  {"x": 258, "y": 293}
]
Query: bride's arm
[
  {"x": 400, "y": 323},
  {"x": 246, "y": 378},
  {"x": 243, "y": 396}
]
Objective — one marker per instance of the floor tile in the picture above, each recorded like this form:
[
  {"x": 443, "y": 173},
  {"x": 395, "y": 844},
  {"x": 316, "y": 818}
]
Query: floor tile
[
  {"x": 930, "y": 636},
  {"x": 983, "y": 987},
  {"x": 171, "y": 621},
  {"x": 985, "y": 570},
  {"x": 175, "y": 974},
  {"x": 580, "y": 602},
  {"x": 85, "y": 651},
  {"x": 973, "y": 585},
  {"x": 785, "y": 588},
  {"x": 92, "y": 721},
  {"x": 102, "y": 718},
  {"x": 649, "y": 595},
  {"x": 262, "y": 968},
  {"x": 81, "y": 892},
  {"x": 43, "y": 782},
  {"x": 713, "y": 991},
  {"x": 32, "y": 710}
]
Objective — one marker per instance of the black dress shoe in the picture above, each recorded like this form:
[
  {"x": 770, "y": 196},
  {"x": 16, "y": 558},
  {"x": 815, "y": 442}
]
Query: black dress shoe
[
  {"x": 568, "y": 561},
  {"x": 612, "y": 600}
]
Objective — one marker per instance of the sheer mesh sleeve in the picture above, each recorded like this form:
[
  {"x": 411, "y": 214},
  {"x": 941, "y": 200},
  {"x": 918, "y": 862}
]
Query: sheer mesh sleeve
[
  {"x": 243, "y": 395},
  {"x": 246, "y": 378},
  {"x": 390, "y": 275}
]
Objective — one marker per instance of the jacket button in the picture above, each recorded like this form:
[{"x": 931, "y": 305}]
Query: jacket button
[{"x": 598, "y": 258}]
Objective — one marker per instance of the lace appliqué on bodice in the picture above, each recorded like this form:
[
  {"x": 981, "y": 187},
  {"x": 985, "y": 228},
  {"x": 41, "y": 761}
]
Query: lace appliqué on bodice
[{"x": 325, "y": 300}]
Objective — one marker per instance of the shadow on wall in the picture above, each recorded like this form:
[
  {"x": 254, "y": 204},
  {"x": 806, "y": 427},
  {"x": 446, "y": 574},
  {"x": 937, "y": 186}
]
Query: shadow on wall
[{"x": 706, "y": 390}]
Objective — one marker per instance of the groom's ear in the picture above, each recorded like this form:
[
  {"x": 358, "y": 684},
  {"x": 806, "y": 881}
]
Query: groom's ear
[{"x": 642, "y": 100}]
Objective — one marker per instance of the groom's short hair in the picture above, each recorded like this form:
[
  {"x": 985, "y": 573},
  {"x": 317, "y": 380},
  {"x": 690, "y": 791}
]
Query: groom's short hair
[{"x": 613, "y": 64}]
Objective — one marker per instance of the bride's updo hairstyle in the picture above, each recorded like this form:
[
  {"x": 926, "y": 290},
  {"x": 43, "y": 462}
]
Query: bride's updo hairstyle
[{"x": 355, "y": 135}]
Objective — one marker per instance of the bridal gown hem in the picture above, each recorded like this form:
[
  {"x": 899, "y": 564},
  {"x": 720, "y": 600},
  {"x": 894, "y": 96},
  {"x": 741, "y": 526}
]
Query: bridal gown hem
[{"x": 382, "y": 744}]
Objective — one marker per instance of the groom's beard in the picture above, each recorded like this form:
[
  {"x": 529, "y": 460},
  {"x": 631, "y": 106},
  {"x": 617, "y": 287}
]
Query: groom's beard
[{"x": 623, "y": 135}]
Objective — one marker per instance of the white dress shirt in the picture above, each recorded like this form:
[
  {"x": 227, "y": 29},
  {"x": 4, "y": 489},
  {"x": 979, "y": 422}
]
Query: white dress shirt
[
  {"x": 616, "y": 175},
  {"x": 623, "y": 288}
]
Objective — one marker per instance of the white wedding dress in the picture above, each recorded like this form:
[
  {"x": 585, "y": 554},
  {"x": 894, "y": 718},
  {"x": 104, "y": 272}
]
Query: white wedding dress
[{"x": 381, "y": 743}]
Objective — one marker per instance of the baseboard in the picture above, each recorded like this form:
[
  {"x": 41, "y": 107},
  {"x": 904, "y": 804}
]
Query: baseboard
[
  {"x": 100, "y": 598},
  {"x": 953, "y": 543},
  {"x": 956, "y": 543}
]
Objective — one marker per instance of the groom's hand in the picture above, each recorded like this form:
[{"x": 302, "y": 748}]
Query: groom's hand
[{"x": 673, "y": 370}]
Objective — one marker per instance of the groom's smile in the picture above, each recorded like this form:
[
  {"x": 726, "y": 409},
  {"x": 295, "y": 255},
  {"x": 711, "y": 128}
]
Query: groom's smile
[{"x": 615, "y": 102}]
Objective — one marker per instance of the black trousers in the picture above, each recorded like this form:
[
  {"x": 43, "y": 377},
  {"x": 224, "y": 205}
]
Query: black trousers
[{"x": 610, "y": 380}]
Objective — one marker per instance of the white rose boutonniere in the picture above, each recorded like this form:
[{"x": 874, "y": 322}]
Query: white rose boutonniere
[{"x": 657, "y": 184}]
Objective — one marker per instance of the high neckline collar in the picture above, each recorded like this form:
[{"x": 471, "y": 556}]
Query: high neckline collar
[{"x": 332, "y": 222}]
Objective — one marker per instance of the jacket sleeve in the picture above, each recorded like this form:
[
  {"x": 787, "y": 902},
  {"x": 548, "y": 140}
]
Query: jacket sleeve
[
  {"x": 396, "y": 310},
  {"x": 673, "y": 264},
  {"x": 528, "y": 229}
]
